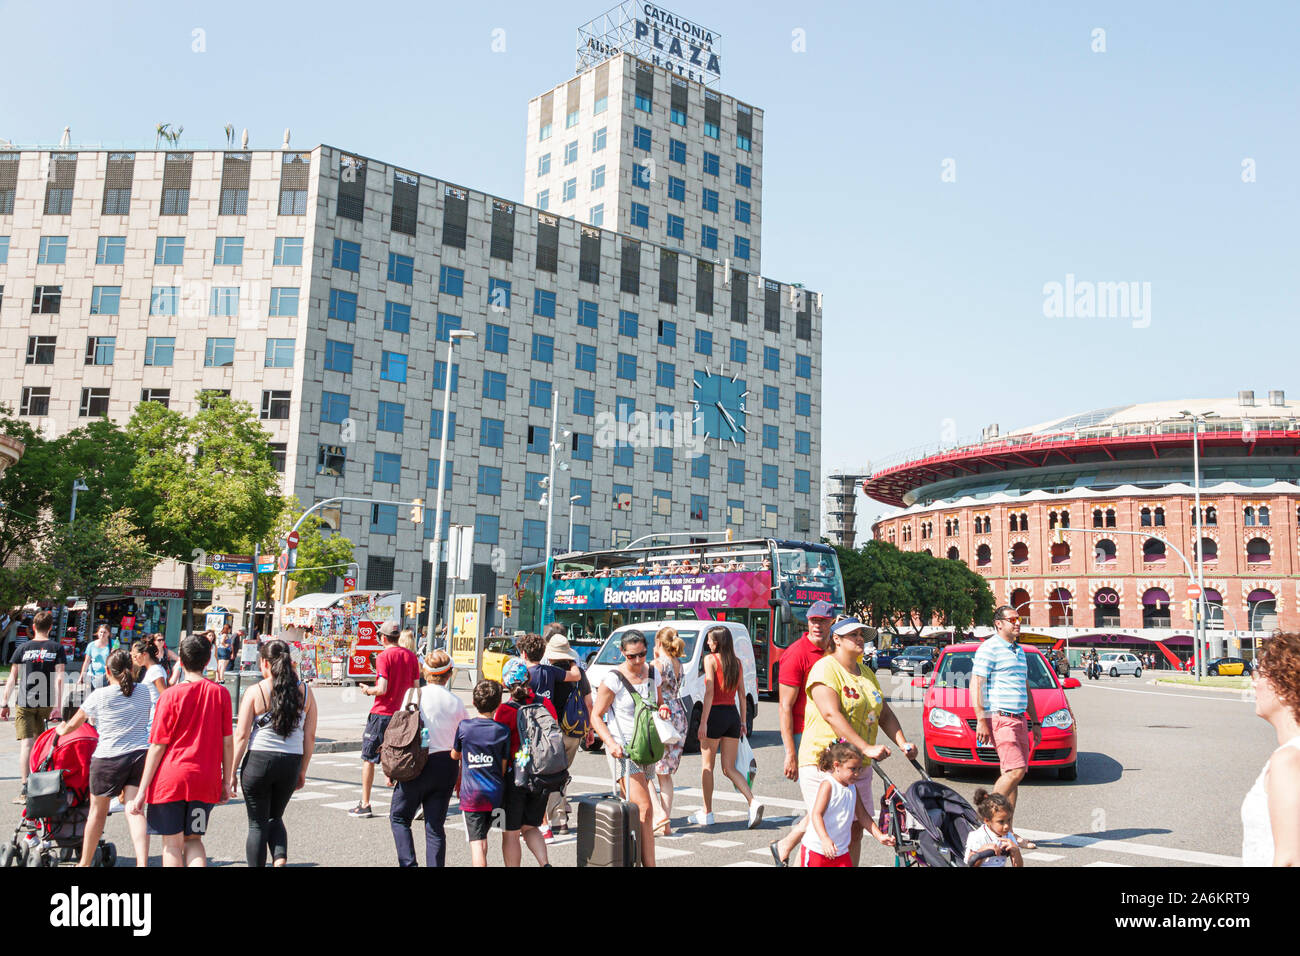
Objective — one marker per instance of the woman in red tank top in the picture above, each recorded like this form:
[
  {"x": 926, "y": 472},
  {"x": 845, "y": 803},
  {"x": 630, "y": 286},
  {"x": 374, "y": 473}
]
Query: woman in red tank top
[{"x": 722, "y": 724}]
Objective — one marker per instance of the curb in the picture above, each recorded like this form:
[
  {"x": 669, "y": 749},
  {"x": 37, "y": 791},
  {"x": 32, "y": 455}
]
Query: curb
[
  {"x": 1211, "y": 690},
  {"x": 337, "y": 747}
]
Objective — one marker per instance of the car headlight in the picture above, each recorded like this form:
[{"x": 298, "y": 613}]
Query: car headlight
[
  {"x": 1060, "y": 719},
  {"x": 943, "y": 718}
]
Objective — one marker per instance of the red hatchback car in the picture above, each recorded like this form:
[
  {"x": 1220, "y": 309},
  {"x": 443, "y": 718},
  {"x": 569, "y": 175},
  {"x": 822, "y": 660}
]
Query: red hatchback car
[{"x": 948, "y": 719}]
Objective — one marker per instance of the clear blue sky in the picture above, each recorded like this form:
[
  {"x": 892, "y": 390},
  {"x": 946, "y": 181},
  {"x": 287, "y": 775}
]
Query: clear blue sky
[{"x": 1117, "y": 166}]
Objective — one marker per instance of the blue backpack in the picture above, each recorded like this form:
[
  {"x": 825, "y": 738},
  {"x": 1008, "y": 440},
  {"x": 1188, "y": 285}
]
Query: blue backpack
[{"x": 576, "y": 719}]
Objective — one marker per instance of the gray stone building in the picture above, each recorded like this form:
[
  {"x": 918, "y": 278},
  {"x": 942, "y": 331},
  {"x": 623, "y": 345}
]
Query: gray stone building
[{"x": 319, "y": 286}]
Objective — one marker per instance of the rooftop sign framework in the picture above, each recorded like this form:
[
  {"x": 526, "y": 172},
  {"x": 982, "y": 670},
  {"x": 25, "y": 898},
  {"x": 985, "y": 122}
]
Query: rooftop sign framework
[{"x": 655, "y": 35}]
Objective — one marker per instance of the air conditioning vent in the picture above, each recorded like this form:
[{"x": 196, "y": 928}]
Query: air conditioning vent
[
  {"x": 1277, "y": 398},
  {"x": 1246, "y": 399}
]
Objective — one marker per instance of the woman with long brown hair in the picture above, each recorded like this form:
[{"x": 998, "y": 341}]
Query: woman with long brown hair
[{"x": 722, "y": 724}]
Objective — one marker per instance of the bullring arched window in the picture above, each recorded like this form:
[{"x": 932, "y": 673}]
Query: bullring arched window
[
  {"x": 1104, "y": 551},
  {"x": 1153, "y": 551},
  {"x": 1263, "y": 516},
  {"x": 983, "y": 556},
  {"x": 953, "y": 554},
  {"x": 1160, "y": 517},
  {"x": 1020, "y": 553},
  {"x": 1145, "y": 514},
  {"x": 1110, "y": 517},
  {"x": 1248, "y": 516},
  {"x": 1209, "y": 551},
  {"x": 1096, "y": 517},
  {"x": 1258, "y": 551}
]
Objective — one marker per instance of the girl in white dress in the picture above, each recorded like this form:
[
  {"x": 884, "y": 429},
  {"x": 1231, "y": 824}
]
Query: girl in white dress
[{"x": 1270, "y": 814}]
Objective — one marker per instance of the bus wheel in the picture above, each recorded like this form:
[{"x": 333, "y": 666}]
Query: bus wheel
[{"x": 692, "y": 745}]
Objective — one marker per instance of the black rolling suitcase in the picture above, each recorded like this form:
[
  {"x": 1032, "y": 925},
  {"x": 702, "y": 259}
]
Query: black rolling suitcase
[{"x": 609, "y": 833}]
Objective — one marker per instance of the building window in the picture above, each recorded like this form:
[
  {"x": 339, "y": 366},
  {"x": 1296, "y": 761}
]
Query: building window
[
  {"x": 392, "y": 366},
  {"x": 539, "y": 439},
  {"x": 770, "y": 476},
  {"x": 711, "y": 165},
  {"x": 584, "y": 402},
  {"x": 544, "y": 132},
  {"x": 40, "y": 349},
  {"x": 497, "y": 339},
  {"x": 742, "y": 211},
  {"x": 383, "y": 520},
  {"x": 739, "y": 351},
  {"x": 440, "y": 376},
  {"x": 94, "y": 403},
  {"x": 571, "y": 153},
  {"x": 539, "y": 393},
  {"x": 435, "y": 426},
  {"x": 288, "y": 251},
  {"x": 771, "y": 437},
  {"x": 59, "y": 184},
  {"x": 397, "y": 317},
  {"x": 234, "y": 184},
  {"x": 627, "y": 366},
  {"x": 803, "y": 366},
  {"x": 388, "y": 467},
  {"x": 597, "y": 215},
  {"x": 168, "y": 250},
  {"x": 544, "y": 303},
  {"x": 543, "y": 348},
  {"x": 279, "y": 352},
  {"x": 534, "y": 534},
  {"x": 709, "y": 200},
  {"x": 584, "y": 357},
  {"x": 640, "y": 215},
  {"x": 451, "y": 281},
  {"x": 489, "y": 480},
  {"x": 667, "y": 333},
  {"x": 224, "y": 301},
  {"x": 295, "y": 178},
  {"x": 35, "y": 401},
  {"x": 401, "y": 269},
  {"x": 338, "y": 356},
  {"x": 284, "y": 303},
  {"x": 330, "y": 460},
  {"x": 99, "y": 349},
  {"x": 735, "y": 512},
  {"x": 406, "y": 203},
  {"x": 347, "y": 255},
  {"x": 571, "y": 120},
  {"x": 229, "y": 251},
  {"x": 741, "y": 248},
  {"x": 735, "y": 471},
  {"x": 703, "y": 342},
  {"x": 598, "y": 178},
  {"x": 352, "y": 188},
  {"x": 544, "y": 199},
  {"x": 105, "y": 299},
  {"x": 598, "y": 140},
  {"x": 803, "y": 404},
  {"x": 569, "y": 190},
  {"x": 334, "y": 407},
  {"x": 666, "y": 375},
  {"x": 219, "y": 353},
  {"x": 275, "y": 405},
  {"x": 803, "y": 443},
  {"x": 544, "y": 164},
  {"x": 601, "y": 104},
  {"x": 548, "y": 243},
  {"x": 630, "y": 267},
  {"x": 581, "y": 450},
  {"x": 53, "y": 250},
  {"x": 676, "y": 227},
  {"x": 491, "y": 433},
  {"x": 110, "y": 250},
  {"x": 445, "y": 326},
  {"x": 1153, "y": 551},
  {"x": 391, "y": 417},
  {"x": 708, "y": 237},
  {"x": 343, "y": 305}
]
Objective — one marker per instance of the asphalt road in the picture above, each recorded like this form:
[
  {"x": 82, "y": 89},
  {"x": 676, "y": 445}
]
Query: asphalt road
[{"x": 1162, "y": 773}]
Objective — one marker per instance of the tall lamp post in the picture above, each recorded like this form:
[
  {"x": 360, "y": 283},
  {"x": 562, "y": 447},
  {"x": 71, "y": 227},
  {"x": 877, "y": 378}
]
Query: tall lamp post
[
  {"x": 1201, "y": 636},
  {"x": 572, "y": 500},
  {"x": 548, "y": 498},
  {"x": 436, "y": 554},
  {"x": 77, "y": 485}
]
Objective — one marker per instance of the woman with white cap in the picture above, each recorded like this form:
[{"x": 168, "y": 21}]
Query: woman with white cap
[
  {"x": 846, "y": 703},
  {"x": 442, "y": 712}
]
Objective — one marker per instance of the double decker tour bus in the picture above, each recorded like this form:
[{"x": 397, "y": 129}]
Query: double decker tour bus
[{"x": 763, "y": 583}]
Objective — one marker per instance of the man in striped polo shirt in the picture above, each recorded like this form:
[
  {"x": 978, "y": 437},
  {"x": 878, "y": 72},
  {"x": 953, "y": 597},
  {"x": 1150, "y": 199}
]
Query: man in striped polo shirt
[{"x": 1004, "y": 707}]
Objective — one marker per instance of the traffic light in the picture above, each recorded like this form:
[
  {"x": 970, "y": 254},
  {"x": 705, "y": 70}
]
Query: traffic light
[
  {"x": 417, "y": 510},
  {"x": 503, "y": 605},
  {"x": 409, "y": 609},
  {"x": 419, "y": 606}
]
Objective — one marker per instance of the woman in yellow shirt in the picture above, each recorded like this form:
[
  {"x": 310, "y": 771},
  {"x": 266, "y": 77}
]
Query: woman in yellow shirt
[{"x": 846, "y": 703}]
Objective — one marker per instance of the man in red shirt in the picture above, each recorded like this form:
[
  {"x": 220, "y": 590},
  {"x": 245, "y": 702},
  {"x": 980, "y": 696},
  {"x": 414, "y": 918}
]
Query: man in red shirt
[
  {"x": 795, "y": 664},
  {"x": 399, "y": 669},
  {"x": 189, "y": 761}
]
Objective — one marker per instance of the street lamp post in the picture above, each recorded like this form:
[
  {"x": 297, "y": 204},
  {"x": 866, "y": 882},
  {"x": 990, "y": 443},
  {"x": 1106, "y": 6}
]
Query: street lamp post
[
  {"x": 435, "y": 554},
  {"x": 572, "y": 500},
  {"x": 1201, "y": 635},
  {"x": 77, "y": 485}
]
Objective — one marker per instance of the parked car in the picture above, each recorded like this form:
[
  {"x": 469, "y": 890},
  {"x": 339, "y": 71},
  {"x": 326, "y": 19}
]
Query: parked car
[
  {"x": 1116, "y": 663},
  {"x": 917, "y": 659},
  {"x": 948, "y": 718},
  {"x": 496, "y": 651},
  {"x": 884, "y": 659},
  {"x": 1229, "y": 667},
  {"x": 691, "y": 633}
]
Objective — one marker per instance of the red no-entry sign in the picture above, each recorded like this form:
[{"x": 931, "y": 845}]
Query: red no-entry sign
[
  {"x": 1193, "y": 592},
  {"x": 292, "y": 538}
]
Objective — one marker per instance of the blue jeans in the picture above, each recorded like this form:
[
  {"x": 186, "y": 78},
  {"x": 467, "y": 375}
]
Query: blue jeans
[{"x": 432, "y": 791}]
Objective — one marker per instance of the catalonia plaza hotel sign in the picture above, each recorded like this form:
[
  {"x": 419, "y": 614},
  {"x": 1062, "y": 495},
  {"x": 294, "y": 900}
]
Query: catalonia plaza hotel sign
[{"x": 655, "y": 35}]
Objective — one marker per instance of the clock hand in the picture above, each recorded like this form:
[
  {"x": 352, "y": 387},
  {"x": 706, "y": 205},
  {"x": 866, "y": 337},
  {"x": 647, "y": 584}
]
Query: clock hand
[{"x": 730, "y": 421}]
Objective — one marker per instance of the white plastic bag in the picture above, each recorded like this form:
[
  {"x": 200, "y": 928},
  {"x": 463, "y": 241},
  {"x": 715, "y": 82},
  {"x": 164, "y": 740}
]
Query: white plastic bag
[
  {"x": 745, "y": 762},
  {"x": 668, "y": 733}
]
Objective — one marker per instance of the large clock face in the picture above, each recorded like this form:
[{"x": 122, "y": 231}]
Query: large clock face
[{"x": 718, "y": 401}]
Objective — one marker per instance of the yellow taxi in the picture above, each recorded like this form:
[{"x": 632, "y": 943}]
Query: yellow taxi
[
  {"x": 496, "y": 652},
  {"x": 1228, "y": 667}
]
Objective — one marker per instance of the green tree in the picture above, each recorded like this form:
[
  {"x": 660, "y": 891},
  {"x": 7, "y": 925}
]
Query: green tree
[
  {"x": 95, "y": 555},
  {"x": 320, "y": 554},
  {"x": 102, "y": 455},
  {"x": 203, "y": 484},
  {"x": 908, "y": 590},
  {"x": 25, "y": 489}
]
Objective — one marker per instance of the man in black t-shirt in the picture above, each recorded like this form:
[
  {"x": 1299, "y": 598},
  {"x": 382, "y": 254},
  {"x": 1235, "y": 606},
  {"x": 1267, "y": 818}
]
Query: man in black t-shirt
[{"x": 36, "y": 667}]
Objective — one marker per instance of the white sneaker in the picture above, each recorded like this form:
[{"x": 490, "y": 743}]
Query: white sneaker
[
  {"x": 115, "y": 806},
  {"x": 755, "y": 813},
  {"x": 701, "y": 819}
]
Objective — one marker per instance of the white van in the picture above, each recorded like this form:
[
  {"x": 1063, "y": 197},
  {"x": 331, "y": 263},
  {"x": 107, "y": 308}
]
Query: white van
[{"x": 692, "y": 634}]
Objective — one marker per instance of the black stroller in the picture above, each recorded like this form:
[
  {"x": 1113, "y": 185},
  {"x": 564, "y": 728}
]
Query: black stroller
[{"x": 929, "y": 823}]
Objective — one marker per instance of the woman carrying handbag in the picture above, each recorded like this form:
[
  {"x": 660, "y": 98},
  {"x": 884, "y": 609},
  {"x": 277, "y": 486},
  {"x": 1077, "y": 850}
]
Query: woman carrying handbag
[{"x": 668, "y": 651}]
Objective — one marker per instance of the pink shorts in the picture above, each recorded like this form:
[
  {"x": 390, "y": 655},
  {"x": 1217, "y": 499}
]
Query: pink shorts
[{"x": 1011, "y": 738}]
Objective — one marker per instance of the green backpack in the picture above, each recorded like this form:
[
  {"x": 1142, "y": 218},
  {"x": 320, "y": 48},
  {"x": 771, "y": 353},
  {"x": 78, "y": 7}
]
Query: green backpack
[{"x": 645, "y": 746}]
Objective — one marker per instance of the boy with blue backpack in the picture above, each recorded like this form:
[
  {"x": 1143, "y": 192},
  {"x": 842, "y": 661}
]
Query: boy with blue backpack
[{"x": 572, "y": 701}]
